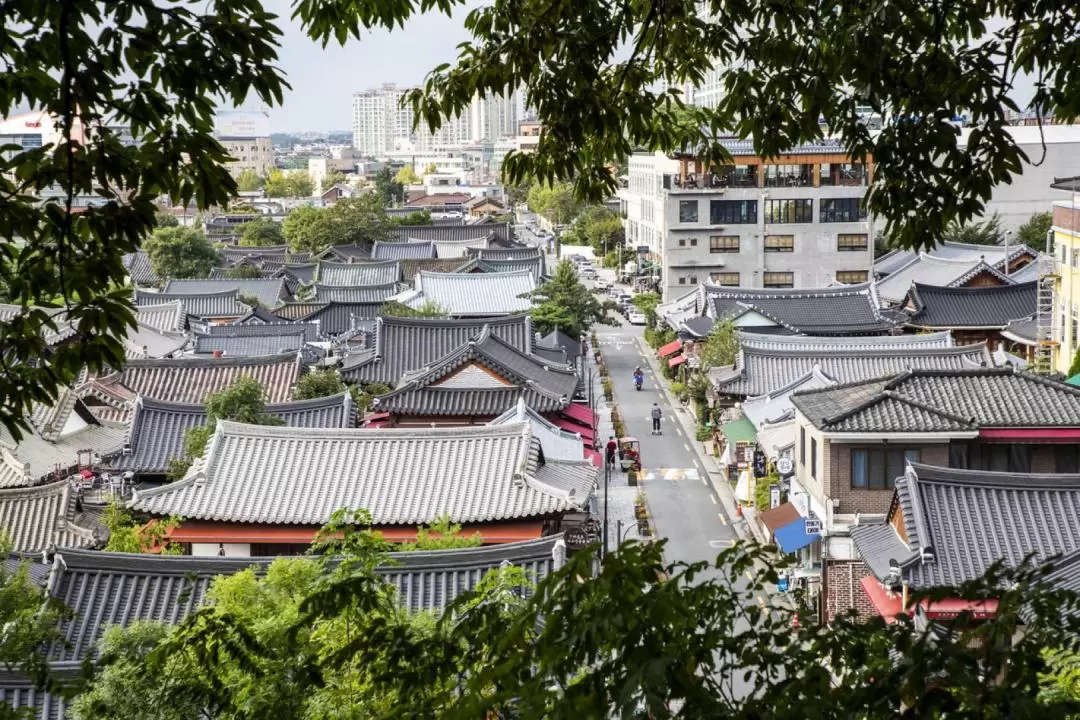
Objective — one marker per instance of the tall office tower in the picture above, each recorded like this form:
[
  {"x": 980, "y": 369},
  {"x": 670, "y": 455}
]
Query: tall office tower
[{"x": 379, "y": 119}]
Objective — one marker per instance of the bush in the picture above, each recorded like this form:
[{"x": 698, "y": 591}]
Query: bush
[
  {"x": 761, "y": 494},
  {"x": 678, "y": 389},
  {"x": 631, "y": 477},
  {"x": 605, "y": 383},
  {"x": 602, "y": 369},
  {"x": 703, "y": 434}
]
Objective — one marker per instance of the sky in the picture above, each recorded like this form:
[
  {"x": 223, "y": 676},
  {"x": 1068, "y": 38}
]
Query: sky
[{"x": 323, "y": 81}]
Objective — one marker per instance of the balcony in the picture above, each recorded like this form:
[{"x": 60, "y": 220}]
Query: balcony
[{"x": 846, "y": 175}]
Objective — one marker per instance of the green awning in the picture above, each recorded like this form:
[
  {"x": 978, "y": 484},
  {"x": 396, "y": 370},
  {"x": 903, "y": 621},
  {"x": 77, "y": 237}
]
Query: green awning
[
  {"x": 1074, "y": 380},
  {"x": 740, "y": 431}
]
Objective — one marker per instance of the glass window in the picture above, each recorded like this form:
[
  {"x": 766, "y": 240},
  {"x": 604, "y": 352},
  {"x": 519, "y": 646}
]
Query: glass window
[
  {"x": 682, "y": 280},
  {"x": 779, "y": 243},
  {"x": 860, "y": 470},
  {"x": 878, "y": 468},
  {"x": 802, "y": 445},
  {"x": 850, "y": 277},
  {"x": 851, "y": 243},
  {"x": 688, "y": 211},
  {"x": 693, "y": 279},
  {"x": 789, "y": 211},
  {"x": 813, "y": 457},
  {"x": 726, "y": 279},
  {"x": 724, "y": 244},
  {"x": 779, "y": 280},
  {"x": 834, "y": 210},
  {"x": 733, "y": 212},
  {"x": 1066, "y": 458}
]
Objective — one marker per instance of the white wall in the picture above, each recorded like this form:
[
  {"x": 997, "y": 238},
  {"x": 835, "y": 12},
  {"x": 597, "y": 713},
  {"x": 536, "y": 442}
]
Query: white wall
[{"x": 213, "y": 549}]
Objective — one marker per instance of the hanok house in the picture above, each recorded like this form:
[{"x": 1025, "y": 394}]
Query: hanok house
[
  {"x": 466, "y": 295},
  {"x": 855, "y": 439},
  {"x": 217, "y": 307},
  {"x": 263, "y": 490},
  {"x": 104, "y": 590},
  {"x": 484, "y": 206},
  {"x": 944, "y": 527},
  {"x": 474, "y": 383},
  {"x": 972, "y": 314}
]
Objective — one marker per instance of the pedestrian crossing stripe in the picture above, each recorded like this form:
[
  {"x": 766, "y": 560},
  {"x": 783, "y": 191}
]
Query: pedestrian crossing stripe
[{"x": 670, "y": 474}]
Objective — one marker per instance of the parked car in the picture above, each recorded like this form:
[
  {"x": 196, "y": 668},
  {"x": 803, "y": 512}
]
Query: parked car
[
  {"x": 635, "y": 317},
  {"x": 588, "y": 273},
  {"x": 603, "y": 286}
]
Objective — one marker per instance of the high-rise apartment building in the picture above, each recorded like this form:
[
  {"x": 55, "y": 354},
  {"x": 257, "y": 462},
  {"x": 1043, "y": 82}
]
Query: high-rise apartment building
[
  {"x": 379, "y": 120},
  {"x": 493, "y": 117}
]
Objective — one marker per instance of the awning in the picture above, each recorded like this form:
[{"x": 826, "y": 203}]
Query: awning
[
  {"x": 779, "y": 516},
  {"x": 579, "y": 412},
  {"x": 793, "y": 536},
  {"x": 571, "y": 426},
  {"x": 594, "y": 457},
  {"x": 739, "y": 431},
  {"x": 676, "y": 361},
  {"x": 1074, "y": 380},
  {"x": 949, "y": 608},
  {"x": 888, "y": 605},
  {"x": 671, "y": 348}
]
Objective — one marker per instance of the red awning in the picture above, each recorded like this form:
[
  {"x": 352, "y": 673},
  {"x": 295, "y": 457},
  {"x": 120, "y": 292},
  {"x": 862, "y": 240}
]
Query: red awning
[
  {"x": 579, "y": 412},
  {"x": 888, "y": 605},
  {"x": 594, "y": 457},
  {"x": 570, "y": 426},
  {"x": 671, "y": 348},
  {"x": 677, "y": 360},
  {"x": 952, "y": 607},
  {"x": 86, "y": 474}
]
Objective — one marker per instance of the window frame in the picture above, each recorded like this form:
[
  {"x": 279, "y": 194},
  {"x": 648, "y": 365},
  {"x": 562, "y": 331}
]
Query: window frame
[
  {"x": 765, "y": 279},
  {"x": 864, "y": 276},
  {"x": 842, "y": 210},
  {"x": 716, "y": 248},
  {"x": 863, "y": 247},
  {"x": 793, "y": 211},
  {"x": 880, "y": 458},
  {"x": 721, "y": 283},
  {"x": 779, "y": 247},
  {"x": 685, "y": 205},
  {"x": 733, "y": 212}
]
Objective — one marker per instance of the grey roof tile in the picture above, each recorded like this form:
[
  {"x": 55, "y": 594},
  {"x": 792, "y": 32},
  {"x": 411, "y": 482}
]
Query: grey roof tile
[
  {"x": 761, "y": 371},
  {"x": 335, "y": 318},
  {"x": 405, "y": 344},
  {"x": 451, "y": 233},
  {"x": 356, "y": 294},
  {"x": 534, "y": 265},
  {"x": 965, "y": 520},
  {"x": 403, "y": 250},
  {"x": 411, "y": 268},
  {"x": 299, "y": 310},
  {"x": 157, "y": 429},
  {"x": 843, "y": 345},
  {"x": 348, "y": 253},
  {"x": 971, "y": 307},
  {"x": 1024, "y": 331},
  {"x": 192, "y": 379},
  {"x": 933, "y": 270},
  {"x": 302, "y": 272},
  {"x": 223, "y": 304},
  {"x": 359, "y": 273},
  {"x": 844, "y": 310},
  {"x": 239, "y": 346},
  {"x": 234, "y": 253},
  {"x": 558, "y": 444},
  {"x": 402, "y": 477},
  {"x": 467, "y": 295},
  {"x": 269, "y": 291},
  {"x": 165, "y": 317},
  {"x": 959, "y": 399},
  {"x": 274, "y": 326},
  {"x": 38, "y": 517},
  {"x": 141, "y": 270}
]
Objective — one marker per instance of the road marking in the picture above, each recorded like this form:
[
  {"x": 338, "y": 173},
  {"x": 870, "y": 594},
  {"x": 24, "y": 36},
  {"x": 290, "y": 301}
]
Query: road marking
[
  {"x": 678, "y": 430},
  {"x": 704, "y": 481},
  {"x": 686, "y": 446},
  {"x": 723, "y": 520},
  {"x": 713, "y": 498}
]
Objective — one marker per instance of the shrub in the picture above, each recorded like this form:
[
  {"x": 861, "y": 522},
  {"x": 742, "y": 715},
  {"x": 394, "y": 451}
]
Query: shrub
[
  {"x": 605, "y": 383},
  {"x": 703, "y": 434},
  {"x": 631, "y": 477},
  {"x": 761, "y": 493},
  {"x": 678, "y": 389}
]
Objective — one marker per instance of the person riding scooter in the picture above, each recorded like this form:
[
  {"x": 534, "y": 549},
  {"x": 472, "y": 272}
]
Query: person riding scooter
[{"x": 639, "y": 378}]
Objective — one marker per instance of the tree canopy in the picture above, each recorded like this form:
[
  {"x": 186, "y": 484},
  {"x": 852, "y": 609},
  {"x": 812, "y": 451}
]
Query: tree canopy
[
  {"x": 295, "y": 184},
  {"x": 334, "y": 178},
  {"x": 722, "y": 345},
  {"x": 1033, "y": 233},
  {"x": 983, "y": 232},
  {"x": 243, "y": 401},
  {"x": 563, "y": 303},
  {"x": 407, "y": 176},
  {"x": 248, "y": 180},
  {"x": 262, "y": 232},
  {"x": 555, "y": 201},
  {"x": 177, "y": 252},
  {"x": 597, "y": 227},
  {"x": 349, "y": 220},
  {"x": 387, "y": 189},
  {"x": 317, "y": 384}
]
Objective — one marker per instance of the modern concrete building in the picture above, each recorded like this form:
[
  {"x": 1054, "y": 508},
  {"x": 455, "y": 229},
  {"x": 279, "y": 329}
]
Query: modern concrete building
[
  {"x": 1066, "y": 253},
  {"x": 378, "y": 120},
  {"x": 246, "y": 137},
  {"x": 793, "y": 221}
]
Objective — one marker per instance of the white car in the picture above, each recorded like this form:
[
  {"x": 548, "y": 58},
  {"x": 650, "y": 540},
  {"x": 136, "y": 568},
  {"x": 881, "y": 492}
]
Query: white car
[{"x": 635, "y": 317}]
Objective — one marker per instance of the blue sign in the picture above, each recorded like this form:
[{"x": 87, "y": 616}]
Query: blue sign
[{"x": 782, "y": 585}]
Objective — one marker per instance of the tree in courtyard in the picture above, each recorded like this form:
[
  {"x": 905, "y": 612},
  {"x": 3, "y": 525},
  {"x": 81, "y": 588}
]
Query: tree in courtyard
[
  {"x": 563, "y": 303},
  {"x": 985, "y": 232},
  {"x": 177, "y": 252},
  {"x": 722, "y": 346},
  {"x": 163, "y": 220},
  {"x": 407, "y": 176},
  {"x": 248, "y": 180},
  {"x": 244, "y": 401},
  {"x": 419, "y": 217},
  {"x": 428, "y": 308},
  {"x": 597, "y": 227},
  {"x": 431, "y": 169},
  {"x": 127, "y": 535},
  {"x": 1033, "y": 233},
  {"x": 244, "y": 272},
  {"x": 388, "y": 190},
  {"x": 299, "y": 225},
  {"x": 262, "y": 232},
  {"x": 443, "y": 534},
  {"x": 317, "y": 384}
]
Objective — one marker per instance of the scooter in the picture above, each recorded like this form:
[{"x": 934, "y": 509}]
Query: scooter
[{"x": 638, "y": 380}]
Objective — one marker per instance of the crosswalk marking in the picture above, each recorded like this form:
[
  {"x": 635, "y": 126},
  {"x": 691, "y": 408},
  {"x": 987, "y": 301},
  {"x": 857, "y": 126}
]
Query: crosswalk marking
[{"x": 670, "y": 474}]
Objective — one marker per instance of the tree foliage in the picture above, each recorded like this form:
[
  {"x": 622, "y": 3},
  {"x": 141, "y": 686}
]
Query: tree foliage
[
  {"x": 164, "y": 220},
  {"x": 407, "y": 176},
  {"x": 387, "y": 189},
  {"x": 428, "y": 308},
  {"x": 334, "y": 178},
  {"x": 127, "y": 535},
  {"x": 984, "y": 232},
  {"x": 443, "y": 534},
  {"x": 262, "y": 232},
  {"x": 418, "y": 217},
  {"x": 646, "y": 303},
  {"x": 597, "y": 227},
  {"x": 177, "y": 252},
  {"x": 1033, "y": 233},
  {"x": 555, "y": 201},
  {"x": 248, "y": 180},
  {"x": 722, "y": 346},
  {"x": 431, "y": 169},
  {"x": 295, "y": 184},
  {"x": 350, "y": 220},
  {"x": 563, "y": 303},
  {"x": 243, "y": 401},
  {"x": 317, "y": 384},
  {"x": 243, "y": 272},
  {"x": 298, "y": 227}
]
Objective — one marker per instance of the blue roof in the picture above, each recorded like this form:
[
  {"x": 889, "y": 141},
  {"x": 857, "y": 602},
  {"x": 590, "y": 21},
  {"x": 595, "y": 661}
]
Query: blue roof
[{"x": 792, "y": 537}]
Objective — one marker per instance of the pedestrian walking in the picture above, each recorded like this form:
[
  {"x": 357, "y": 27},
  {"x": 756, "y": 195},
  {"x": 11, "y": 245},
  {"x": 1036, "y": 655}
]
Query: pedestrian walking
[
  {"x": 612, "y": 448},
  {"x": 657, "y": 413}
]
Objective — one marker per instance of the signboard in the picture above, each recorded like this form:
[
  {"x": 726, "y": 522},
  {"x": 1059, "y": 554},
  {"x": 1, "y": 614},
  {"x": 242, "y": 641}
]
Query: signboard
[
  {"x": 242, "y": 124},
  {"x": 774, "y": 496},
  {"x": 813, "y": 526},
  {"x": 785, "y": 467}
]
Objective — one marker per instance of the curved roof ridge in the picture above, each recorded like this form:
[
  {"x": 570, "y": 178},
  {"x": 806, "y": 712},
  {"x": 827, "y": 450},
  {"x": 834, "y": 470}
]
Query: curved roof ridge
[
  {"x": 993, "y": 479},
  {"x": 901, "y": 351},
  {"x": 748, "y": 293},
  {"x": 986, "y": 289},
  {"x": 195, "y": 361},
  {"x": 465, "y": 277}
]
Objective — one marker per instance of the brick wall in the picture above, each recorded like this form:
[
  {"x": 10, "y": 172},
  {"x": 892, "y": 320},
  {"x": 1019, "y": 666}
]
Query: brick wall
[
  {"x": 843, "y": 590},
  {"x": 859, "y": 500},
  {"x": 1066, "y": 218}
]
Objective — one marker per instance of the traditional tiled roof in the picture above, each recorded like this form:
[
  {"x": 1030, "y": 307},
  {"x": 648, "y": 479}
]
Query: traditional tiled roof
[
  {"x": 141, "y": 270},
  {"x": 335, "y": 318},
  {"x": 844, "y": 310},
  {"x": 466, "y": 295},
  {"x": 166, "y": 317},
  {"x": 259, "y": 474},
  {"x": 357, "y": 294},
  {"x": 459, "y": 248},
  {"x": 505, "y": 253},
  {"x": 36, "y": 518},
  {"x": 249, "y": 345},
  {"x": 943, "y": 400},
  {"x": 993, "y": 255},
  {"x": 234, "y": 253},
  {"x": 353, "y": 274},
  {"x": 534, "y": 265},
  {"x": 484, "y": 376},
  {"x": 959, "y": 522},
  {"x": 298, "y": 310},
  {"x": 761, "y": 371},
  {"x": 404, "y": 344},
  {"x": 1023, "y": 331},
  {"x": 145, "y": 341},
  {"x": 971, "y": 307},
  {"x": 452, "y": 233},
  {"x": 304, "y": 273},
  {"x": 274, "y": 326},
  {"x": 269, "y": 291},
  {"x": 933, "y": 270},
  {"x": 558, "y": 444},
  {"x": 211, "y": 305},
  {"x": 403, "y": 250},
  {"x": 863, "y": 343},
  {"x": 776, "y": 407},
  {"x": 411, "y": 268},
  {"x": 192, "y": 379},
  {"x": 65, "y": 329},
  {"x": 347, "y": 253},
  {"x": 156, "y": 432}
]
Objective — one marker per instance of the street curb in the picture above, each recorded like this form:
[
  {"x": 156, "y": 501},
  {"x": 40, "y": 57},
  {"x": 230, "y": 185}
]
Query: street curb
[{"x": 722, "y": 489}]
